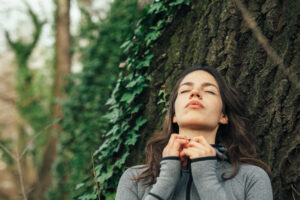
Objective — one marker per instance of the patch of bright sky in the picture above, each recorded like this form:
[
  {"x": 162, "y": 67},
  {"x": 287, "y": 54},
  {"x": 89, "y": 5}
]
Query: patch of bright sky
[{"x": 15, "y": 20}]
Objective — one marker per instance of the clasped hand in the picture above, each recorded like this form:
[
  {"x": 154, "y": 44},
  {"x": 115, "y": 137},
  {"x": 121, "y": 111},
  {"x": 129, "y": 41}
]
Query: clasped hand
[{"x": 180, "y": 146}]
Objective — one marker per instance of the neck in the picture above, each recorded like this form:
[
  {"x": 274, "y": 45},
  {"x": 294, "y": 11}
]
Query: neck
[{"x": 209, "y": 135}]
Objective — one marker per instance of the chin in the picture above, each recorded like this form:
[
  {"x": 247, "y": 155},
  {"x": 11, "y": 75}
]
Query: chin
[{"x": 196, "y": 124}]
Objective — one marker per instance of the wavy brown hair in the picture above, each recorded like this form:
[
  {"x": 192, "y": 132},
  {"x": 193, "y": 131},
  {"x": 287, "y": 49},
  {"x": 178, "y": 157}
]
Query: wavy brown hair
[{"x": 236, "y": 136}]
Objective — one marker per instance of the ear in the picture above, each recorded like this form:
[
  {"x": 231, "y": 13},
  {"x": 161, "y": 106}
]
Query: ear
[
  {"x": 223, "y": 119},
  {"x": 174, "y": 119}
]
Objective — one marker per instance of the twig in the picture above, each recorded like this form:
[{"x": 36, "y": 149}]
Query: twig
[
  {"x": 21, "y": 175},
  {"x": 7, "y": 151},
  {"x": 265, "y": 44},
  {"x": 18, "y": 157},
  {"x": 294, "y": 189},
  {"x": 95, "y": 176},
  {"x": 37, "y": 135}
]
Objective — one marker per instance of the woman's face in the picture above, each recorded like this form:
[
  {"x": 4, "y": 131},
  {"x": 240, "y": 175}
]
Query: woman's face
[{"x": 198, "y": 104}]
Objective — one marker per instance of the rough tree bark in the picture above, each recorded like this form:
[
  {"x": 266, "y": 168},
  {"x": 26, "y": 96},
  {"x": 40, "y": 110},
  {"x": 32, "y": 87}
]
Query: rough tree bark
[{"x": 215, "y": 32}]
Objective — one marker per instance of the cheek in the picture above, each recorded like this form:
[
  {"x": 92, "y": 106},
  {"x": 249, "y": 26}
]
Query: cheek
[
  {"x": 176, "y": 106},
  {"x": 219, "y": 106}
]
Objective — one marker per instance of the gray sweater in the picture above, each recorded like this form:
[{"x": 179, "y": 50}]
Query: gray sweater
[{"x": 201, "y": 179}]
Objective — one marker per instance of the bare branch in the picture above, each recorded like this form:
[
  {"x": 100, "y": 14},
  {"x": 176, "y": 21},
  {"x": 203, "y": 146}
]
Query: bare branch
[
  {"x": 21, "y": 175},
  {"x": 266, "y": 45},
  {"x": 8, "y": 152},
  {"x": 36, "y": 136}
]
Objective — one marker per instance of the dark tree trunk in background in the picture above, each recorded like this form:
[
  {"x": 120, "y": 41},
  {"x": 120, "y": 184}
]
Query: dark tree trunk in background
[
  {"x": 215, "y": 32},
  {"x": 63, "y": 68},
  {"x": 63, "y": 64}
]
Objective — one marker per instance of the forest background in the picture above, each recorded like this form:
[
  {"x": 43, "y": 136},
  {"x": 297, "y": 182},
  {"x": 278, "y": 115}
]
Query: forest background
[{"x": 85, "y": 84}]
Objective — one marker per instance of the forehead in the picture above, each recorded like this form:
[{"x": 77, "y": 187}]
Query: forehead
[{"x": 198, "y": 77}]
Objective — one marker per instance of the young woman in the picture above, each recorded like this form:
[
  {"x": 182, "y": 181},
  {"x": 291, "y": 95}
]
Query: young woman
[{"x": 205, "y": 150}]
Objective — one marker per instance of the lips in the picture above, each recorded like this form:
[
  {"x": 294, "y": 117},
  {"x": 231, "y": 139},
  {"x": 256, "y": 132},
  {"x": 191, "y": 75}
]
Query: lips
[{"x": 194, "y": 104}]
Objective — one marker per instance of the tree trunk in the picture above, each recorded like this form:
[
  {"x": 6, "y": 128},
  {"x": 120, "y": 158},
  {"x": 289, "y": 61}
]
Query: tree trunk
[
  {"x": 26, "y": 99},
  {"x": 215, "y": 32},
  {"x": 63, "y": 64}
]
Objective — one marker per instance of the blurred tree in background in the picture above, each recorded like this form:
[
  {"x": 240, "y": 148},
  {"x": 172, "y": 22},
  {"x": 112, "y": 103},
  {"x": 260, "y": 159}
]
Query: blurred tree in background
[
  {"x": 62, "y": 68},
  {"x": 84, "y": 123},
  {"x": 33, "y": 101},
  {"x": 30, "y": 98}
]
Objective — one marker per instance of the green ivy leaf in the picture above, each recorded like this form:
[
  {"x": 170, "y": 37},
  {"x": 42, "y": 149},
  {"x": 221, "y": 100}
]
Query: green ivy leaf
[
  {"x": 158, "y": 26},
  {"x": 105, "y": 175},
  {"x": 113, "y": 115},
  {"x": 127, "y": 45},
  {"x": 139, "y": 122},
  {"x": 152, "y": 36},
  {"x": 121, "y": 161},
  {"x": 177, "y": 2},
  {"x": 156, "y": 8},
  {"x": 88, "y": 196},
  {"x": 160, "y": 101},
  {"x": 132, "y": 138},
  {"x": 78, "y": 186},
  {"x": 136, "y": 108},
  {"x": 139, "y": 80},
  {"x": 128, "y": 97}
]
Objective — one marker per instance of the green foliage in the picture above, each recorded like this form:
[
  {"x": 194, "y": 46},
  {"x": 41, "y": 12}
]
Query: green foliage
[
  {"x": 163, "y": 99},
  {"x": 34, "y": 95},
  {"x": 85, "y": 123},
  {"x": 125, "y": 109}
]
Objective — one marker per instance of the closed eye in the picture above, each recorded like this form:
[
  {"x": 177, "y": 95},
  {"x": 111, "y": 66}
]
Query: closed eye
[
  {"x": 184, "y": 91},
  {"x": 211, "y": 92}
]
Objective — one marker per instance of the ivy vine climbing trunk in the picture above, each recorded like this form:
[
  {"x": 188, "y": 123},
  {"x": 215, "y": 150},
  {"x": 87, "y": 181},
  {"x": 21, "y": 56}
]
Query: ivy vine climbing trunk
[
  {"x": 63, "y": 64},
  {"x": 215, "y": 32}
]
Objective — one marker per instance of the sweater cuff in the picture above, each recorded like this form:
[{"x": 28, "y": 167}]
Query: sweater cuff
[
  {"x": 204, "y": 170},
  {"x": 171, "y": 158},
  {"x": 168, "y": 177},
  {"x": 204, "y": 158}
]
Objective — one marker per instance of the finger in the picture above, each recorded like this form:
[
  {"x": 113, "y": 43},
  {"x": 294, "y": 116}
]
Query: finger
[
  {"x": 208, "y": 150},
  {"x": 201, "y": 152},
  {"x": 179, "y": 143},
  {"x": 194, "y": 153},
  {"x": 197, "y": 145},
  {"x": 175, "y": 136},
  {"x": 186, "y": 152},
  {"x": 182, "y": 154},
  {"x": 201, "y": 140},
  {"x": 172, "y": 138}
]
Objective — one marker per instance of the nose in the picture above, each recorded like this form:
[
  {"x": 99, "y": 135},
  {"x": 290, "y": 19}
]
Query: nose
[{"x": 195, "y": 93}]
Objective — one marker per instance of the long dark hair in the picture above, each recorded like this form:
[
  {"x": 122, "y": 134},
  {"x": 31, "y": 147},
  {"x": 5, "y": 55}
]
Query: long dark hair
[{"x": 236, "y": 136}]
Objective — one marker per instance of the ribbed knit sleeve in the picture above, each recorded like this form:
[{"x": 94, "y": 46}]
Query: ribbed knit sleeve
[
  {"x": 205, "y": 179},
  {"x": 161, "y": 190},
  {"x": 257, "y": 185}
]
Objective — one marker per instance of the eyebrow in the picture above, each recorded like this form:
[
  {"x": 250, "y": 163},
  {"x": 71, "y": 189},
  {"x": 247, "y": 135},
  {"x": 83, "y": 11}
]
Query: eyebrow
[{"x": 205, "y": 84}]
